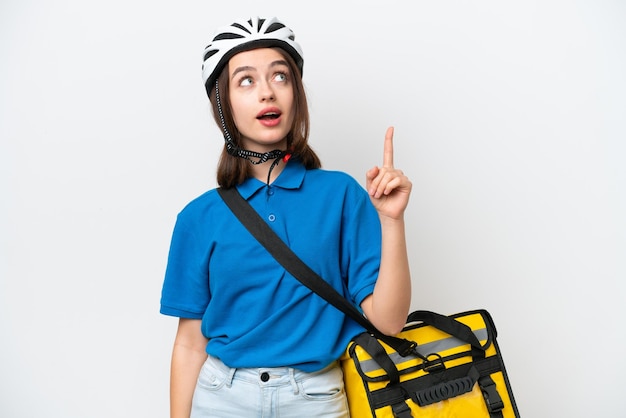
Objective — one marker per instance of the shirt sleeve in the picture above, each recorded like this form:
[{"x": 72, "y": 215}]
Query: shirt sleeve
[
  {"x": 185, "y": 292},
  {"x": 361, "y": 239}
]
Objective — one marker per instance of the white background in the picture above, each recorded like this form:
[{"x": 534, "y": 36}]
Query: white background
[{"x": 509, "y": 120}]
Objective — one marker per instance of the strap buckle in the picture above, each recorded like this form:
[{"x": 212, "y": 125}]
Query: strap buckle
[
  {"x": 490, "y": 393},
  {"x": 401, "y": 410}
]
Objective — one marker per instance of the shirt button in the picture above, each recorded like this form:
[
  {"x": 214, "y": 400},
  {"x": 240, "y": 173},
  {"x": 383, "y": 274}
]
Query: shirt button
[
  {"x": 272, "y": 217},
  {"x": 270, "y": 192},
  {"x": 265, "y": 376}
]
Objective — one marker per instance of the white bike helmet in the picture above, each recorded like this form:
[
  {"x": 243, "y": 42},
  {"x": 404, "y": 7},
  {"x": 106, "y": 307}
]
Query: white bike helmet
[{"x": 243, "y": 35}]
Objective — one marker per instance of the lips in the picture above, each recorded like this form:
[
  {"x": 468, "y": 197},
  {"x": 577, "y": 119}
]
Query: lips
[
  {"x": 269, "y": 113},
  {"x": 269, "y": 117}
]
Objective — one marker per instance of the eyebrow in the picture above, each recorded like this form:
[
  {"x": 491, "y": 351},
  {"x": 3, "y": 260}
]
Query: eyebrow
[{"x": 250, "y": 68}]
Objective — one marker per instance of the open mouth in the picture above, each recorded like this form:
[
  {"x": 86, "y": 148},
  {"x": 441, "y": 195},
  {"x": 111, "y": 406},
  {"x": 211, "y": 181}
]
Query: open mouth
[{"x": 269, "y": 116}]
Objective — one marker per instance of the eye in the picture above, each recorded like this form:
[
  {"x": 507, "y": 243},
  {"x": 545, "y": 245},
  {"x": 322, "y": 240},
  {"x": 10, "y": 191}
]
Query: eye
[
  {"x": 245, "y": 81},
  {"x": 280, "y": 77}
]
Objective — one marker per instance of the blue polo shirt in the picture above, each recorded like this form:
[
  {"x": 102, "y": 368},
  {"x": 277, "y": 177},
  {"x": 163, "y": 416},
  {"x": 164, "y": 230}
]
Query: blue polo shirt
[{"x": 254, "y": 313}]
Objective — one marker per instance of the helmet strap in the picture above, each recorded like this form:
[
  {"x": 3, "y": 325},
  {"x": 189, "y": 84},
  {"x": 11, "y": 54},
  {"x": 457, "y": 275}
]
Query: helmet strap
[{"x": 252, "y": 156}]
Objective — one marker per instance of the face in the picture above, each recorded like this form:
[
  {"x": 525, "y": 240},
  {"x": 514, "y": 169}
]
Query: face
[{"x": 261, "y": 97}]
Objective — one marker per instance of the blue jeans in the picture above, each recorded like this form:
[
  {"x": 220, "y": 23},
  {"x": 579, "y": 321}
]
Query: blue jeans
[{"x": 224, "y": 392}]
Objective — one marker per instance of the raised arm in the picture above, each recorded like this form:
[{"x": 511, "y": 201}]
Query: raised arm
[{"x": 389, "y": 189}]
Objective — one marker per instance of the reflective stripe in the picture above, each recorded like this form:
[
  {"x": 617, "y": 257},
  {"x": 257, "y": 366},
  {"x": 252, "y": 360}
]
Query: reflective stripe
[{"x": 424, "y": 349}]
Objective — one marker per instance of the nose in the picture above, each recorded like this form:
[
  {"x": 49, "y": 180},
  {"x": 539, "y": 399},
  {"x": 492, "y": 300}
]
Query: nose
[{"x": 266, "y": 93}]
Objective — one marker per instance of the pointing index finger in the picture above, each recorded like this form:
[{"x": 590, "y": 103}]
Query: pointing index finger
[{"x": 388, "y": 150}]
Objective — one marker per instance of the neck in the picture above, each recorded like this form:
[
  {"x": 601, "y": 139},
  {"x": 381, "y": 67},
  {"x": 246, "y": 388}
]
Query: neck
[{"x": 261, "y": 171}]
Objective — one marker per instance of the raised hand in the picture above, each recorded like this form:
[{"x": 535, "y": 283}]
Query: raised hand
[{"x": 388, "y": 187}]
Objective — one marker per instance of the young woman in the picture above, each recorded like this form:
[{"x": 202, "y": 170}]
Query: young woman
[{"x": 252, "y": 341}]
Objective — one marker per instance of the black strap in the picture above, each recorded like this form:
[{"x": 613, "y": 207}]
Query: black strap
[
  {"x": 375, "y": 349},
  {"x": 292, "y": 263},
  {"x": 448, "y": 325}
]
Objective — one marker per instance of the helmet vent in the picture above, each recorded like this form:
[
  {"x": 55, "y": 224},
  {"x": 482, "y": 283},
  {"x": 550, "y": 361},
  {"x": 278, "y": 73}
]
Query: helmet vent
[
  {"x": 227, "y": 35},
  {"x": 237, "y": 25},
  {"x": 210, "y": 53},
  {"x": 274, "y": 27}
]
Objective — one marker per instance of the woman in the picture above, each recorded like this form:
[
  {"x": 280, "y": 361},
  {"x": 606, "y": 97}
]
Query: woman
[{"x": 252, "y": 340}]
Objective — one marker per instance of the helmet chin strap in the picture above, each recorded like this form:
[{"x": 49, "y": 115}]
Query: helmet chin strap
[{"x": 252, "y": 156}]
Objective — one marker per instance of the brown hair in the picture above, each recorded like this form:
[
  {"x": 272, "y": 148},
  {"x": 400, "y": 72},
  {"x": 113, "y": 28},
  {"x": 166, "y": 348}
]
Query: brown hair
[{"x": 232, "y": 170}]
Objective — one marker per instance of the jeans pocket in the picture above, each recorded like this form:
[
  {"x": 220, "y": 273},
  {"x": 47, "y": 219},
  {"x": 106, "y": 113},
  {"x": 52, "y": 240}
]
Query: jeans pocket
[
  {"x": 211, "y": 378},
  {"x": 323, "y": 386}
]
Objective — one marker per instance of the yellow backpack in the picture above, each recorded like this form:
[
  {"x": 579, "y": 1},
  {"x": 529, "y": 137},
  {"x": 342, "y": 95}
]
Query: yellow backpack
[{"x": 453, "y": 370}]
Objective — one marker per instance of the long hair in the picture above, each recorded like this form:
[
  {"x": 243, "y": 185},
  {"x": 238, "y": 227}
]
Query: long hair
[{"x": 232, "y": 170}]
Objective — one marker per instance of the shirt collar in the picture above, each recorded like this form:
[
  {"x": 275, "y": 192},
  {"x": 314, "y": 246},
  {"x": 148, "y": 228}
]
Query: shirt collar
[{"x": 290, "y": 178}]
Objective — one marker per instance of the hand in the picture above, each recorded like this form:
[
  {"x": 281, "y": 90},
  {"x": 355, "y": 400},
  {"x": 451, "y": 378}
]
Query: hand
[{"x": 389, "y": 188}]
